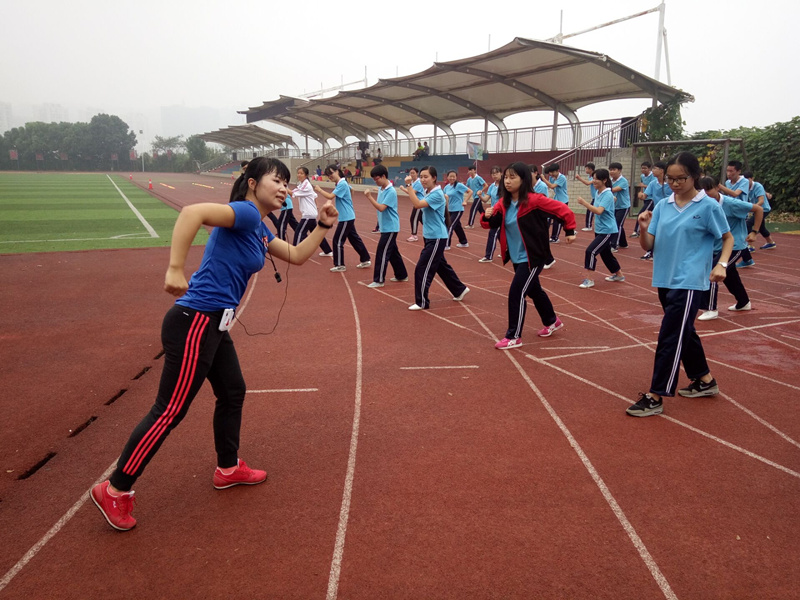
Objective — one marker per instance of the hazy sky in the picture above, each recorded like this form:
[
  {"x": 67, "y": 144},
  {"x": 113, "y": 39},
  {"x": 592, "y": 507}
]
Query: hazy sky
[{"x": 736, "y": 56}]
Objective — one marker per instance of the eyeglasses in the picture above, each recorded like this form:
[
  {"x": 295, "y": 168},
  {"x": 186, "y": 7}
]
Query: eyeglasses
[{"x": 676, "y": 180}]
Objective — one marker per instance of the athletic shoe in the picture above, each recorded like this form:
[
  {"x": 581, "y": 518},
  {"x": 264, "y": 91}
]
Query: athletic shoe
[
  {"x": 646, "y": 406},
  {"x": 376, "y": 230},
  {"x": 615, "y": 278},
  {"x": 751, "y": 248},
  {"x": 615, "y": 250},
  {"x": 586, "y": 229},
  {"x": 460, "y": 297},
  {"x": 587, "y": 283},
  {"x": 326, "y": 253},
  {"x": 698, "y": 389},
  {"x": 708, "y": 315},
  {"x": 243, "y": 475},
  {"x": 553, "y": 240},
  {"x": 508, "y": 343},
  {"x": 468, "y": 226},
  {"x": 745, "y": 263},
  {"x": 116, "y": 509},
  {"x": 462, "y": 245},
  {"x": 547, "y": 266},
  {"x": 484, "y": 259},
  {"x": 548, "y": 331},
  {"x": 415, "y": 307},
  {"x": 364, "y": 265},
  {"x": 634, "y": 235},
  {"x": 338, "y": 269},
  {"x": 396, "y": 279},
  {"x": 647, "y": 256},
  {"x": 375, "y": 284},
  {"x": 737, "y": 308},
  {"x": 447, "y": 247},
  {"x": 412, "y": 238},
  {"x": 768, "y": 246}
]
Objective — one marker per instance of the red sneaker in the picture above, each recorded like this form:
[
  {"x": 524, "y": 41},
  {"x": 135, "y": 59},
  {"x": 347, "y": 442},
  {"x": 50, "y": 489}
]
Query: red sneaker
[
  {"x": 548, "y": 331},
  {"x": 243, "y": 475},
  {"x": 116, "y": 509}
]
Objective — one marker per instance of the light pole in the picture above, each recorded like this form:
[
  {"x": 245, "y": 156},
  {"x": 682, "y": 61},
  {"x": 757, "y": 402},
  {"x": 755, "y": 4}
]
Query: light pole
[{"x": 140, "y": 133}]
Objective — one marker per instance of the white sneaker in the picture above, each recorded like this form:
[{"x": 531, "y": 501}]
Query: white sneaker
[
  {"x": 415, "y": 307},
  {"x": 587, "y": 283},
  {"x": 396, "y": 279},
  {"x": 375, "y": 284},
  {"x": 364, "y": 265},
  {"x": 551, "y": 264},
  {"x": 745, "y": 307},
  {"x": 447, "y": 247},
  {"x": 460, "y": 297},
  {"x": 708, "y": 315},
  {"x": 339, "y": 269},
  {"x": 326, "y": 253},
  {"x": 586, "y": 229},
  {"x": 412, "y": 238},
  {"x": 484, "y": 259},
  {"x": 462, "y": 245},
  {"x": 615, "y": 278}
]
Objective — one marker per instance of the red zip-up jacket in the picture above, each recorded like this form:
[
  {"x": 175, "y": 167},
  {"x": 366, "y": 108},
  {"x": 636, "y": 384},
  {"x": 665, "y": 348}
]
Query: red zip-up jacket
[{"x": 532, "y": 220}]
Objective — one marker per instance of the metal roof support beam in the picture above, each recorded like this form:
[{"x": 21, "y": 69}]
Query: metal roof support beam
[{"x": 367, "y": 113}]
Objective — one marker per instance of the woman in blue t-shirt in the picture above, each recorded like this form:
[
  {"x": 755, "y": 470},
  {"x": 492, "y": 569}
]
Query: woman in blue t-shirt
[
  {"x": 457, "y": 195},
  {"x": 197, "y": 345},
  {"x": 605, "y": 228}
]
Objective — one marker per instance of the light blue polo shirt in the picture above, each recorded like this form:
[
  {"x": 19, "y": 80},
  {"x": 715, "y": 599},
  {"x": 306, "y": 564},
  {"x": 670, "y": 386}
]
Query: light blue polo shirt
[
  {"x": 647, "y": 179},
  {"x": 516, "y": 249},
  {"x": 433, "y": 227},
  {"x": 494, "y": 193},
  {"x": 388, "y": 219},
  {"x": 592, "y": 189},
  {"x": 560, "y": 191},
  {"x": 287, "y": 205},
  {"x": 417, "y": 187},
  {"x": 755, "y": 193},
  {"x": 344, "y": 201},
  {"x": 540, "y": 187},
  {"x": 742, "y": 184},
  {"x": 605, "y": 223},
  {"x": 476, "y": 185},
  {"x": 736, "y": 213},
  {"x": 657, "y": 191},
  {"x": 624, "y": 195},
  {"x": 684, "y": 244},
  {"x": 456, "y": 194}
]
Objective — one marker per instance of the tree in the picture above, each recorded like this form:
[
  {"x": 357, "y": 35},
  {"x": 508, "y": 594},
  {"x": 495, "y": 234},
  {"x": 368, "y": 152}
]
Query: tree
[
  {"x": 107, "y": 135},
  {"x": 164, "y": 144},
  {"x": 196, "y": 147}
]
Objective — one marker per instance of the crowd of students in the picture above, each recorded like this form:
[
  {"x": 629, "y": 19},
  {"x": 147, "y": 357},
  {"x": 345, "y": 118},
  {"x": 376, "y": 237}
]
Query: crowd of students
[{"x": 696, "y": 231}]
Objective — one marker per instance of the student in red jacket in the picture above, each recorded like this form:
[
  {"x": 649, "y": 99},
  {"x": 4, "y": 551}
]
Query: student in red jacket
[{"x": 522, "y": 216}]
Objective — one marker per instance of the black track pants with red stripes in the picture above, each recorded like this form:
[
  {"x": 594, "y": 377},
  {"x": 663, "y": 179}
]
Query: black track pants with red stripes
[{"x": 194, "y": 350}]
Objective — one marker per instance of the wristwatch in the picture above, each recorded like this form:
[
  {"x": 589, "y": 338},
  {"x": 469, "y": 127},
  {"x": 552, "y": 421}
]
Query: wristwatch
[{"x": 724, "y": 264}]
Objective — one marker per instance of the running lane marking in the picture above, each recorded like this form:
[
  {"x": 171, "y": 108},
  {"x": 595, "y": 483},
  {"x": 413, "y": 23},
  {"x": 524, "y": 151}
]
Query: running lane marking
[
  {"x": 344, "y": 513},
  {"x": 53, "y": 531},
  {"x": 147, "y": 226},
  {"x": 282, "y": 391},
  {"x": 421, "y": 368},
  {"x": 644, "y": 553}
]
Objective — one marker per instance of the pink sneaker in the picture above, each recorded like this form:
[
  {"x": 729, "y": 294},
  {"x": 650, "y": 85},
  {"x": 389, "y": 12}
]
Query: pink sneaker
[
  {"x": 548, "y": 331},
  {"x": 116, "y": 509},
  {"x": 243, "y": 475},
  {"x": 507, "y": 344}
]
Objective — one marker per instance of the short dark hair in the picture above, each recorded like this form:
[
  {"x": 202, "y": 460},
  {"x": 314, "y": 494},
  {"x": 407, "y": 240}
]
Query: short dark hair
[
  {"x": 552, "y": 168},
  {"x": 497, "y": 169},
  {"x": 430, "y": 169},
  {"x": 590, "y": 165},
  {"x": 413, "y": 169},
  {"x": 747, "y": 174},
  {"x": 660, "y": 164},
  {"x": 304, "y": 170},
  {"x": 245, "y": 163},
  {"x": 379, "y": 171},
  {"x": 615, "y": 165},
  {"x": 331, "y": 168},
  {"x": 736, "y": 164},
  {"x": 647, "y": 164},
  {"x": 707, "y": 183},
  {"x": 472, "y": 168}
]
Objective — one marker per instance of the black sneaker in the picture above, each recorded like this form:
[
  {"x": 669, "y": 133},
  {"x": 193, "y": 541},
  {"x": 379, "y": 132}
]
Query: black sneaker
[
  {"x": 698, "y": 389},
  {"x": 645, "y": 407}
]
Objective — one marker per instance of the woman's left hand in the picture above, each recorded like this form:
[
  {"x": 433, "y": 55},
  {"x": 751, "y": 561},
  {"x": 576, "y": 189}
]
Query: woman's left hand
[
  {"x": 718, "y": 273},
  {"x": 328, "y": 213}
]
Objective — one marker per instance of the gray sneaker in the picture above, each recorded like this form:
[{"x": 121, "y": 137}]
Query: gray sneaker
[
  {"x": 616, "y": 278},
  {"x": 646, "y": 406},
  {"x": 698, "y": 389}
]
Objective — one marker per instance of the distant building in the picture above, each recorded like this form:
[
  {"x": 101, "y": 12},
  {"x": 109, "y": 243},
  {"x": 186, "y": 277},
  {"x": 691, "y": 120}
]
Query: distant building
[{"x": 6, "y": 117}]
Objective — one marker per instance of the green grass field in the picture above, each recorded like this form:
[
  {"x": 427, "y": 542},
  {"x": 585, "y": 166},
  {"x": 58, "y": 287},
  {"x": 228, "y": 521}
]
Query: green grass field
[{"x": 56, "y": 212}]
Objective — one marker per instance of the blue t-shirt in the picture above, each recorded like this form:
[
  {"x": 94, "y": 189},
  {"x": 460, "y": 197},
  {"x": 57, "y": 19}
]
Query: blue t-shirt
[
  {"x": 433, "y": 227},
  {"x": 623, "y": 196},
  {"x": 684, "y": 243},
  {"x": 605, "y": 223},
  {"x": 560, "y": 191},
  {"x": 287, "y": 205},
  {"x": 516, "y": 249},
  {"x": 344, "y": 201},
  {"x": 476, "y": 185},
  {"x": 647, "y": 179},
  {"x": 736, "y": 212},
  {"x": 741, "y": 184},
  {"x": 592, "y": 189},
  {"x": 540, "y": 187},
  {"x": 231, "y": 256},
  {"x": 755, "y": 193},
  {"x": 388, "y": 220},
  {"x": 493, "y": 192},
  {"x": 657, "y": 191},
  {"x": 456, "y": 195},
  {"x": 417, "y": 187}
]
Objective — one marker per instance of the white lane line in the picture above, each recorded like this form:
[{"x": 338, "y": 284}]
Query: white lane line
[
  {"x": 705, "y": 434},
  {"x": 765, "y": 423},
  {"x": 282, "y": 391},
  {"x": 644, "y": 553},
  {"x": 147, "y": 226},
  {"x": 754, "y": 328},
  {"x": 791, "y": 337},
  {"x": 421, "y": 368},
  {"x": 344, "y": 513},
  {"x": 53, "y": 531},
  {"x": 113, "y": 237}
]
